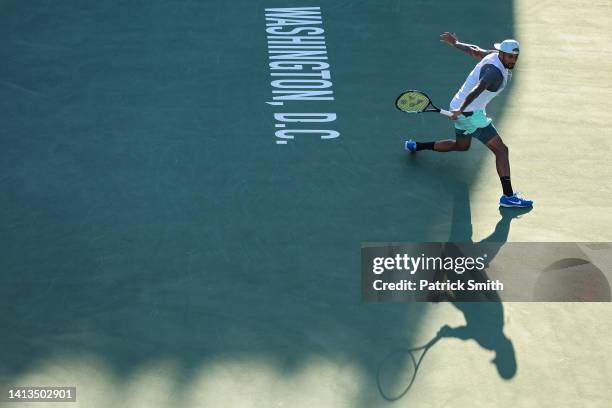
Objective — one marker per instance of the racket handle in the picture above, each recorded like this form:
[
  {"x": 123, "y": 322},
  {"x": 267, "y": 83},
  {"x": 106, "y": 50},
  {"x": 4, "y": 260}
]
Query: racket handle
[{"x": 445, "y": 112}]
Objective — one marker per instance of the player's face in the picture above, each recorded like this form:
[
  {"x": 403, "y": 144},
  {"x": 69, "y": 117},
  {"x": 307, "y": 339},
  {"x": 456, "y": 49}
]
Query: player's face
[{"x": 508, "y": 59}]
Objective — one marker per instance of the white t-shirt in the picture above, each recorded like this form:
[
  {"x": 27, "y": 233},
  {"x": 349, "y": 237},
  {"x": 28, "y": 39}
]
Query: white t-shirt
[{"x": 488, "y": 69}]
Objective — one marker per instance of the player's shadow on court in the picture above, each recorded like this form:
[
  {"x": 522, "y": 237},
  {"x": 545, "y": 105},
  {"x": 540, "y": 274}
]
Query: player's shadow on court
[{"x": 483, "y": 310}]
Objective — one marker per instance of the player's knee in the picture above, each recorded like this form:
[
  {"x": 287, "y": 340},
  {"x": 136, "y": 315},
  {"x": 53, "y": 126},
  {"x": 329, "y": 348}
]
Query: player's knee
[
  {"x": 462, "y": 147},
  {"x": 501, "y": 150},
  {"x": 504, "y": 149}
]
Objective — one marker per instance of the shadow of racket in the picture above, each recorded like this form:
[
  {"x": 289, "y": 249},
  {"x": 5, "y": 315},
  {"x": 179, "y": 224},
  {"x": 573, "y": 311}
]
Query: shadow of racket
[{"x": 398, "y": 358}]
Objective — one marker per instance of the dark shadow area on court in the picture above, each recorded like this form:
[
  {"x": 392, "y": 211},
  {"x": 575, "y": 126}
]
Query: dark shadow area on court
[{"x": 147, "y": 212}]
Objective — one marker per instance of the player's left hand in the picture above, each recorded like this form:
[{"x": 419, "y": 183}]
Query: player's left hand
[{"x": 449, "y": 38}]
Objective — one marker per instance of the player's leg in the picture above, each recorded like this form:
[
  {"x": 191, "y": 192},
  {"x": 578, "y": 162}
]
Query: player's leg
[
  {"x": 502, "y": 161},
  {"x": 460, "y": 144},
  {"x": 494, "y": 142}
]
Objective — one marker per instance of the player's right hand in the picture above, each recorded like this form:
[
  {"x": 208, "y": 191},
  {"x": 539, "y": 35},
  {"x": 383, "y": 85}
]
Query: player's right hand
[
  {"x": 449, "y": 38},
  {"x": 454, "y": 114}
]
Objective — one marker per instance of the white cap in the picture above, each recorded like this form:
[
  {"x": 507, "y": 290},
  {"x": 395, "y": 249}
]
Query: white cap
[{"x": 508, "y": 46}]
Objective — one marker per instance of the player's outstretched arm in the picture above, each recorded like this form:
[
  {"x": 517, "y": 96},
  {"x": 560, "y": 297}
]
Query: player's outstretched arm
[{"x": 473, "y": 50}]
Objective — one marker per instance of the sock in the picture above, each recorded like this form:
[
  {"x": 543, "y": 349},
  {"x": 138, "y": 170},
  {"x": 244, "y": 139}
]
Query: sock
[
  {"x": 506, "y": 185},
  {"x": 425, "y": 146}
]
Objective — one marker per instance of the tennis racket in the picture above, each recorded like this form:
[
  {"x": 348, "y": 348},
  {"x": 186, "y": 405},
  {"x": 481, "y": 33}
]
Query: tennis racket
[
  {"x": 398, "y": 359},
  {"x": 417, "y": 102}
]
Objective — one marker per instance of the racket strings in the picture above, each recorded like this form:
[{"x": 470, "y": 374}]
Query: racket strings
[{"x": 412, "y": 102}]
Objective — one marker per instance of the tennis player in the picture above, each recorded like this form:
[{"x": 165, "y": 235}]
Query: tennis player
[{"x": 488, "y": 78}]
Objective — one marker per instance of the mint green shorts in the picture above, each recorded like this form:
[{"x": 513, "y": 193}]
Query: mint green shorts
[{"x": 475, "y": 124}]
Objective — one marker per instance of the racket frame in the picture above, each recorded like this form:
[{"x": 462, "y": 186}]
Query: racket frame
[{"x": 435, "y": 108}]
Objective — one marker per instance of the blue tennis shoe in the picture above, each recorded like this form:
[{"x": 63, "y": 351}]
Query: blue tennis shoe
[
  {"x": 514, "y": 201},
  {"x": 410, "y": 145}
]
